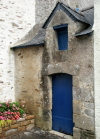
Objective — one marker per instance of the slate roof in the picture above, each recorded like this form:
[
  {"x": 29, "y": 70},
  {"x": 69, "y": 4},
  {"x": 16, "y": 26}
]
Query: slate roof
[
  {"x": 38, "y": 40},
  {"x": 89, "y": 15},
  {"x": 84, "y": 32},
  {"x": 70, "y": 12},
  {"x": 86, "y": 17}
]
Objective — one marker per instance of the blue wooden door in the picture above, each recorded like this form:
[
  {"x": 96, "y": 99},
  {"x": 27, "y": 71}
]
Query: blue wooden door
[{"x": 62, "y": 112}]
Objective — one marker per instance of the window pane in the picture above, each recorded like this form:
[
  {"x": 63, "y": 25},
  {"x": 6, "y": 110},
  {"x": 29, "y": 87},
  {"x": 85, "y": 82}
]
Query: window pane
[{"x": 62, "y": 39}]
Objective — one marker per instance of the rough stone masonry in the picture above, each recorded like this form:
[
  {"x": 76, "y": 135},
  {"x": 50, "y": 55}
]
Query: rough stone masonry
[
  {"x": 16, "y": 19},
  {"x": 76, "y": 61},
  {"x": 14, "y": 24},
  {"x": 10, "y": 32}
]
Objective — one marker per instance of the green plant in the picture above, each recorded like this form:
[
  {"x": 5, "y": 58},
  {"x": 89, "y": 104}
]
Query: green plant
[
  {"x": 11, "y": 111},
  {"x": 4, "y": 123}
]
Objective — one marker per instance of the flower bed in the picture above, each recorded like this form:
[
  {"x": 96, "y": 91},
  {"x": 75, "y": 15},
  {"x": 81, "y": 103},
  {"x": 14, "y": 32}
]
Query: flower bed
[
  {"x": 13, "y": 119},
  {"x": 11, "y": 111},
  {"x": 17, "y": 126}
]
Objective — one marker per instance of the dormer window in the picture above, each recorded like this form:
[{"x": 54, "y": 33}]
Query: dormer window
[{"x": 62, "y": 36}]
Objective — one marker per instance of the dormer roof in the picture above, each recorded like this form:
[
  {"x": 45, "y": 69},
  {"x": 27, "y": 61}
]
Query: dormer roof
[{"x": 86, "y": 17}]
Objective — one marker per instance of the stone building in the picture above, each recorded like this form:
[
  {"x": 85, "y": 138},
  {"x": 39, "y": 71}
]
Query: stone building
[
  {"x": 54, "y": 72},
  {"x": 14, "y": 24}
]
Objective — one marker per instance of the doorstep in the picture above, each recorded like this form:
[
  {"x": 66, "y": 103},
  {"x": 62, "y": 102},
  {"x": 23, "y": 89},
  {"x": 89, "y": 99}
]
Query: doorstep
[{"x": 64, "y": 136}]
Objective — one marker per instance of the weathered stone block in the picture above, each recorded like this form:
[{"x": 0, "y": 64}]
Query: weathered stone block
[
  {"x": 32, "y": 121},
  {"x": 87, "y": 134},
  {"x": 21, "y": 119},
  {"x": 46, "y": 115},
  {"x": 15, "y": 126},
  {"x": 83, "y": 134},
  {"x": 25, "y": 123},
  {"x": 83, "y": 94},
  {"x": 89, "y": 112},
  {"x": 76, "y": 133},
  {"x": 14, "y": 121},
  {"x": 30, "y": 127},
  {"x": 84, "y": 122},
  {"x": 5, "y": 128},
  {"x": 22, "y": 128},
  {"x": 28, "y": 135},
  {"x": 89, "y": 105},
  {"x": 77, "y": 107},
  {"x": 29, "y": 117},
  {"x": 10, "y": 132},
  {"x": 76, "y": 81}
]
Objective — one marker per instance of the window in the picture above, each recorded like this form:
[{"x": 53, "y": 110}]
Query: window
[{"x": 62, "y": 36}]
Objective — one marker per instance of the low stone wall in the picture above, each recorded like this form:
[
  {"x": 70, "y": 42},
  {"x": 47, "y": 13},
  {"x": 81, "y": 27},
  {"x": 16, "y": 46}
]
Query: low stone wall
[{"x": 17, "y": 126}]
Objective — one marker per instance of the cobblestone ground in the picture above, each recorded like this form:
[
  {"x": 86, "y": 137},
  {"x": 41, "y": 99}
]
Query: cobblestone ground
[{"x": 36, "y": 134}]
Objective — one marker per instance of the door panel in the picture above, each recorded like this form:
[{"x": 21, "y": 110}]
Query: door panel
[{"x": 62, "y": 112}]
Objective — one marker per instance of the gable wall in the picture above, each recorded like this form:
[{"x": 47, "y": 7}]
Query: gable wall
[
  {"x": 77, "y": 61},
  {"x": 28, "y": 63}
]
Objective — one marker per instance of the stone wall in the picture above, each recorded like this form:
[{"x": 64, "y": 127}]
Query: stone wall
[
  {"x": 77, "y": 61},
  {"x": 14, "y": 25},
  {"x": 34, "y": 69},
  {"x": 16, "y": 127},
  {"x": 28, "y": 66},
  {"x": 16, "y": 19}
]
